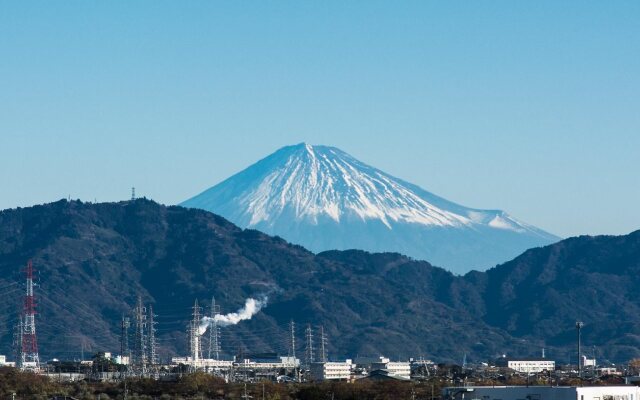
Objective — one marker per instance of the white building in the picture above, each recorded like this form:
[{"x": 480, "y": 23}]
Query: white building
[
  {"x": 208, "y": 364},
  {"x": 122, "y": 360},
  {"x": 541, "y": 393},
  {"x": 396, "y": 368},
  {"x": 608, "y": 371},
  {"x": 5, "y": 363},
  {"x": 529, "y": 365},
  {"x": 322, "y": 371},
  {"x": 205, "y": 364},
  {"x": 280, "y": 363}
]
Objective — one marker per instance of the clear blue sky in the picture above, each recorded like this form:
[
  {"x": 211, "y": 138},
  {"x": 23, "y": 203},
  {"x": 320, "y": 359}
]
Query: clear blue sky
[{"x": 532, "y": 107}]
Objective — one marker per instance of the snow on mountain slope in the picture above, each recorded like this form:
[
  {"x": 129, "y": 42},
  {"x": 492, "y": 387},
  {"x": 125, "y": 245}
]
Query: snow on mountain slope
[{"x": 322, "y": 198}]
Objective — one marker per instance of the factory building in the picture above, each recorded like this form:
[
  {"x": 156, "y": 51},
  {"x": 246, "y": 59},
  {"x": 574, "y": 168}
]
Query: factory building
[
  {"x": 274, "y": 364},
  {"x": 323, "y": 371},
  {"x": 541, "y": 393},
  {"x": 204, "y": 364},
  {"x": 527, "y": 365}
]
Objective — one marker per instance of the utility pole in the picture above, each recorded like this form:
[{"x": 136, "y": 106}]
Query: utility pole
[
  {"x": 246, "y": 395},
  {"x": 214, "y": 331},
  {"x": 323, "y": 345},
  {"x": 579, "y": 326},
  {"x": 309, "y": 353}
]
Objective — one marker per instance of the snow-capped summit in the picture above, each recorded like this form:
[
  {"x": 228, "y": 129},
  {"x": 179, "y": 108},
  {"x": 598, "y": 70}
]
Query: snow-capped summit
[{"x": 322, "y": 198}]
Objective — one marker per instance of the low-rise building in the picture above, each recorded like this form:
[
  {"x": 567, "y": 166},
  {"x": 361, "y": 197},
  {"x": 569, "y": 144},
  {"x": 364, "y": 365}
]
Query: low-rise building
[
  {"x": 383, "y": 375},
  {"x": 608, "y": 371},
  {"x": 276, "y": 363},
  {"x": 527, "y": 365},
  {"x": 396, "y": 368},
  {"x": 5, "y": 363},
  {"x": 322, "y": 371},
  {"x": 204, "y": 364},
  {"x": 541, "y": 393},
  {"x": 207, "y": 364}
]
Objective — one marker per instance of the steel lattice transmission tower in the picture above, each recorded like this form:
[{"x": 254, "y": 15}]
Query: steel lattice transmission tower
[
  {"x": 323, "y": 345},
  {"x": 153, "y": 351},
  {"x": 140, "y": 345},
  {"x": 214, "y": 332},
  {"x": 124, "y": 337},
  {"x": 194, "y": 333},
  {"x": 17, "y": 339},
  {"x": 29, "y": 358},
  {"x": 309, "y": 353},
  {"x": 292, "y": 340}
]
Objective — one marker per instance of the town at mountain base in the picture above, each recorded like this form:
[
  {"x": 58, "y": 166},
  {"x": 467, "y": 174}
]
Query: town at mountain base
[{"x": 94, "y": 260}]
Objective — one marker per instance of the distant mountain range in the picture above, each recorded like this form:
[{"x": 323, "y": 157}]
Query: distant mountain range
[
  {"x": 93, "y": 260},
  {"x": 324, "y": 199}
]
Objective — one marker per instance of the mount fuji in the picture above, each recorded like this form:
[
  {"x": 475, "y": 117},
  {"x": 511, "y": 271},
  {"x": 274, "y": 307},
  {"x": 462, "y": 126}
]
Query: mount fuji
[{"x": 323, "y": 199}]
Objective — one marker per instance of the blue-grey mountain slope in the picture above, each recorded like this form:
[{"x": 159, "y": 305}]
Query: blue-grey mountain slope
[{"x": 323, "y": 198}]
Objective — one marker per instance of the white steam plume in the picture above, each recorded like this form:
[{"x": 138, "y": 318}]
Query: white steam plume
[{"x": 251, "y": 308}]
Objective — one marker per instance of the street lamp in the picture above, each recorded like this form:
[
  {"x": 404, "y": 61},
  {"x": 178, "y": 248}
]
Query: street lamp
[{"x": 579, "y": 326}]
